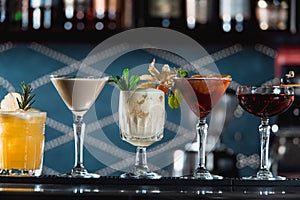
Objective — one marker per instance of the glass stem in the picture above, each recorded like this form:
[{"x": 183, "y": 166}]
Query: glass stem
[
  {"x": 141, "y": 166},
  {"x": 201, "y": 139},
  {"x": 79, "y": 128},
  {"x": 264, "y": 131}
]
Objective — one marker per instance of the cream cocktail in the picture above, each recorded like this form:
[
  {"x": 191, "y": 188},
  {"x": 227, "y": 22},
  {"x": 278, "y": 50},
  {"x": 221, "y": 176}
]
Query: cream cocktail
[
  {"x": 141, "y": 121},
  {"x": 142, "y": 116},
  {"x": 79, "y": 94}
]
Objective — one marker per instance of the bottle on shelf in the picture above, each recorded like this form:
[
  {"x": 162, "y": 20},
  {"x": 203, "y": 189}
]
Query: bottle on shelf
[
  {"x": 69, "y": 6},
  {"x": 3, "y": 15},
  {"x": 197, "y": 12},
  {"x": 165, "y": 13},
  {"x": 113, "y": 15},
  {"x": 99, "y": 10},
  {"x": 272, "y": 15},
  {"x": 106, "y": 15},
  {"x": 13, "y": 18},
  {"x": 127, "y": 14},
  {"x": 234, "y": 13}
]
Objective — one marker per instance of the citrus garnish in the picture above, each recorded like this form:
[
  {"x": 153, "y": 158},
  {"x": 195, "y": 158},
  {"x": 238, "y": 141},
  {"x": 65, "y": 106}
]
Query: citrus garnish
[
  {"x": 10, "y": 102},
  {"x": 15, "y": 101}
]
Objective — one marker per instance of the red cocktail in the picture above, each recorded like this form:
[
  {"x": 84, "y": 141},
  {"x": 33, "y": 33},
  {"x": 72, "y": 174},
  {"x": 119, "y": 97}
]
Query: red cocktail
[{"x": 202, "y": 93}]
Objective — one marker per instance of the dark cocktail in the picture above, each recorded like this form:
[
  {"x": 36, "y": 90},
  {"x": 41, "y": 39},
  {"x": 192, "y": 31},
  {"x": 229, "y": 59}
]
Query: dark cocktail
[
  {"x": 265, "y": 105},
  {"x": 202, "y": 93},
  {"x": 265, "y": 102}
]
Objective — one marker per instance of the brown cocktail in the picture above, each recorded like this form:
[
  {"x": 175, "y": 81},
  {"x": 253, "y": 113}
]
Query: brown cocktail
[{"x": 202, "y": 93}]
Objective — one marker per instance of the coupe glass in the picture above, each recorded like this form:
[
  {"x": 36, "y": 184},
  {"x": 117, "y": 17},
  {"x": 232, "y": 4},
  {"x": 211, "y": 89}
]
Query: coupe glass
[
  {"x": 79, "y": 94},
  {"x": 265, "y": 102},
  {"x": 141, "y": 121},
  {"x": 202, "y": 93}
]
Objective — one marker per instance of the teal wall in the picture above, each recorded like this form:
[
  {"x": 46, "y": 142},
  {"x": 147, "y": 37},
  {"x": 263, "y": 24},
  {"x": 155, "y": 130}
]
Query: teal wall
[{"x": 34, "y": 62}]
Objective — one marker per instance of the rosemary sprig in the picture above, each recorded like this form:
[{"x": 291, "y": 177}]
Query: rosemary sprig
[{"x": 26, "y": 97}]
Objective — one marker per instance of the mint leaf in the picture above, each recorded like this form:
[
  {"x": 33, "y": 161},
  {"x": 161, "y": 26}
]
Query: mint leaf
[
  {"x": 134, "y": 80},
  {"x": 126, "y": 82},
  {"x": 182, "y": 73},
  {"x": 126, "y": 77},
  {"x": 122, "y": 84}
]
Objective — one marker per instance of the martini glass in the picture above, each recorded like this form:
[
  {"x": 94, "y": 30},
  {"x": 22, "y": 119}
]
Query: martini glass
[
  {"x": 265, "y": 102},
  {"x": 141, "y": 121},
  {"x": 79, "y": 94},
  {"x": 202, "y": 93}
]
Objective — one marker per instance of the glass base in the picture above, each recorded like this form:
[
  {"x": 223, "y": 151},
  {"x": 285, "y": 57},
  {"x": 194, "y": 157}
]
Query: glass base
[
  {"x": 264, "y": 174},
  {"x": 203, "y": 177},
  {"x": 21, "y": 173},
  {"x": 203, "y": 174},
  {"x": 273, "y": 178},
  {"x": 148, "y": 175},
  {"x": 85, "y": 175},
  {"x": 79, "y": 173}
]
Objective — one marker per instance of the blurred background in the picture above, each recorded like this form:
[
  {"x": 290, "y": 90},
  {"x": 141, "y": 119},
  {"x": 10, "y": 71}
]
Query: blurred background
[{"x": 255, "y": 41}]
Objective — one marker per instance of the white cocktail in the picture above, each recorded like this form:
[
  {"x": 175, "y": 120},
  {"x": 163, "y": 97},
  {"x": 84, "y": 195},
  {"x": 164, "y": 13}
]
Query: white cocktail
[{"x": 141, "y": 121}]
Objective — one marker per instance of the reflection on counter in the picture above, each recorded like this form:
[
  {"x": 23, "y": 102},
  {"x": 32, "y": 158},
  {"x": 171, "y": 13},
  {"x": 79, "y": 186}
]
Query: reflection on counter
[{"x": 113, "y": 187}]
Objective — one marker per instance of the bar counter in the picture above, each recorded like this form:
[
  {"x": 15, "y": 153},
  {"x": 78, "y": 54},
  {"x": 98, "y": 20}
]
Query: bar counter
[{"x": 52, "y": 187}]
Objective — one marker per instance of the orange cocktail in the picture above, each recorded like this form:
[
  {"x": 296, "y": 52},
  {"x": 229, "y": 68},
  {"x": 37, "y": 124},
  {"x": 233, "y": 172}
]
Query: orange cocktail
[{"x": 21, "y": 142}]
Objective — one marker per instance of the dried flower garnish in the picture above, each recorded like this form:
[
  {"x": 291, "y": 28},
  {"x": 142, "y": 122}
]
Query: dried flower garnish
[{"x": 163, "y": 78}]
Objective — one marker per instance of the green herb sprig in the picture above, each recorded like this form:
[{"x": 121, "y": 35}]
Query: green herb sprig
[
  {"x": 126, "y": 82},
  {"x": 26, "y": 97},
  {"x": 182, "y": 73}
]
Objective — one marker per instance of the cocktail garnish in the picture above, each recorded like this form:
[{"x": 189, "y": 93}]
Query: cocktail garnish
[
  {"x": 14, "y": 101},
  {"x": 174, "y": 99},
  {"x": 182, "y": 73},
  {"x": 162, "y": 79},
  {"x": 288, "y": 79},
  {"x": 26, "y": 98},
  {"x": 291, "y": 74},
  {"x": 146, "y": 85},
  {"x": 9, "y": 102},
  {"x": 126, "y": 82}
]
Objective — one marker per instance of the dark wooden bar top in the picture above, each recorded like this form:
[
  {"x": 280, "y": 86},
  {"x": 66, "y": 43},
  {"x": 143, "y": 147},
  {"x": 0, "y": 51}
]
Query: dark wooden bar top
[{"x": 52, "y": 187}]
